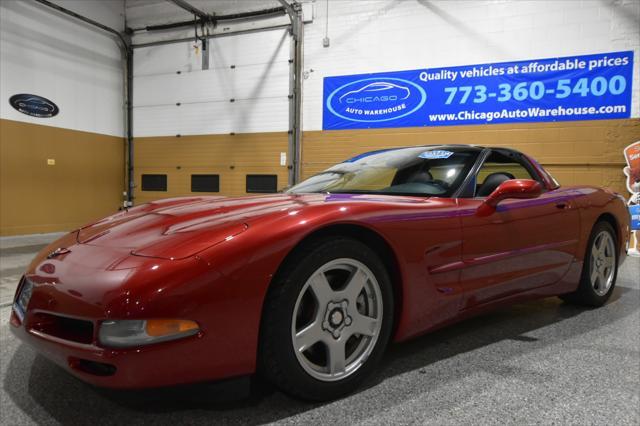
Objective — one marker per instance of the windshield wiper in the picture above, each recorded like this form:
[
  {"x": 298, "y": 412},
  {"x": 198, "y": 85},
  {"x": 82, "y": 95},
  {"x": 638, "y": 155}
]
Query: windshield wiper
[
  {"x": 367, "y": 192},
  {"x": 337, "y": 172}
]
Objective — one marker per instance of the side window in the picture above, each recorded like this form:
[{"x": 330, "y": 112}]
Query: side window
[{"x": 499, "y": 167}]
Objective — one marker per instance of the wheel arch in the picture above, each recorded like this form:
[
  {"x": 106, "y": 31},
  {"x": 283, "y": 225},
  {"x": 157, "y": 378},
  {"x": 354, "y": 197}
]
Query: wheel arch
[
  {"x": 370, "y": 238},
  {"x": 611, "y": 219}
]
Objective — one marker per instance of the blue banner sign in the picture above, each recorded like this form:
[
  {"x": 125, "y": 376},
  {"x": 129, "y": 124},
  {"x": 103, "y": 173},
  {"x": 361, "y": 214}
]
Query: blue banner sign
[
  {"x": 634, "y": 211},
  {"x": 589, "y": 87}
]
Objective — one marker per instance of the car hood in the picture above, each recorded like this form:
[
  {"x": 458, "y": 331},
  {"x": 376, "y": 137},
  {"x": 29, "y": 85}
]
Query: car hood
[
  {"x": 177, "y": 228},
  {"x": 182, "y": 227}
]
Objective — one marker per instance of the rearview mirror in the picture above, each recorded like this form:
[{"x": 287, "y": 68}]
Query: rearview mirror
[{"x": 513, "y": 188}]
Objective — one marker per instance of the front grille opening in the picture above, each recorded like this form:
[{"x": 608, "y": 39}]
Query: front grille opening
[
  {"x": 92, "y": 367},
  {"x": 65, "y": 328},
  {"x": 19, "y": 288}
]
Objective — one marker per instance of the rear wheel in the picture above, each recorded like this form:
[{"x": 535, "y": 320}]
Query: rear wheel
[
  {"x": 327, "y": 320},
  {"x": 599, "y": 270}
]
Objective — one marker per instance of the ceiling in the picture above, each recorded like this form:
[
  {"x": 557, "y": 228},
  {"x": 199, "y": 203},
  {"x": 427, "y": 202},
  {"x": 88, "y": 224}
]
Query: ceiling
[{"x": 141, "y": 13}]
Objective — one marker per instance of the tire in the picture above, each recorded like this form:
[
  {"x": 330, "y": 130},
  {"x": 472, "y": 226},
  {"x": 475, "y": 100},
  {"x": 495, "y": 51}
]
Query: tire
[
  {"x": 599, "y": 269},
  {"x": 310, "y": 347}
]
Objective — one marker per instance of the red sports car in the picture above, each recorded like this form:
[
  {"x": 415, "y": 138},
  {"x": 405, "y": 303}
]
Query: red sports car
[{"x": 308, "y": 287}]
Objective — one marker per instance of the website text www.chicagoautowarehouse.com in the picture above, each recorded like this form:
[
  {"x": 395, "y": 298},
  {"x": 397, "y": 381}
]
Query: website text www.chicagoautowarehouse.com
[{"x": 532, "y": 112}]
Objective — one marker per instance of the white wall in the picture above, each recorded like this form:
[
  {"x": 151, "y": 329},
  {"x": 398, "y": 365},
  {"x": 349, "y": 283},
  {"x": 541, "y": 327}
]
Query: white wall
[
  {"x": 365, "y": 36},
  {"x": 392, "y": 35},
  {"x": 76, "y": 66}
]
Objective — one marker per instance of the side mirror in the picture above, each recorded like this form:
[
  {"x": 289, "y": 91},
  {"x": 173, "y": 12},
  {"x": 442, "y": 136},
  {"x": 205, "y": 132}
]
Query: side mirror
[{"x": 513, "y": 188}]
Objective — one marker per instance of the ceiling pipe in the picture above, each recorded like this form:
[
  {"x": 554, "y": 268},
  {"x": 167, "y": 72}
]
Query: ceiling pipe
[
  {"x": 214, "y": 19},
  {"x": 127, "y": 52},
  {"x": 252, "y": 14}
]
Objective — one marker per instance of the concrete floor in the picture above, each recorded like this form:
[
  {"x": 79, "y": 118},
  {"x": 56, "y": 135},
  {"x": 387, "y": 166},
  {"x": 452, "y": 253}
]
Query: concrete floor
[{"x": 541, "y": 362}]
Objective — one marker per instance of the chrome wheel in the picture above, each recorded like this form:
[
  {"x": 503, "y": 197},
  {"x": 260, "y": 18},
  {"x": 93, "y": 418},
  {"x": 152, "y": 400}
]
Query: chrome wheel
[
  {"x": 603, "y": 262},
  {"x": 337, "y": 319}
]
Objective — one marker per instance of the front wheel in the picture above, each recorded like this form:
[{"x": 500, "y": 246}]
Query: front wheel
[
  {"x": 599, "y": 270},
  {"x": 327, "y": 320}
]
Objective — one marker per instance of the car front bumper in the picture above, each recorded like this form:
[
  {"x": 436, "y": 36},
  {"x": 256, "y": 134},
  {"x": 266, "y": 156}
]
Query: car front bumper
[
  {"x": 74, "y": 292},
  {"x": 163, "y": 364}
]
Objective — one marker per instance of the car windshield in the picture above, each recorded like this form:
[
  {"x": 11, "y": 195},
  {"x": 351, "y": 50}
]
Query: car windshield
[{"x": 418, "y": 171}]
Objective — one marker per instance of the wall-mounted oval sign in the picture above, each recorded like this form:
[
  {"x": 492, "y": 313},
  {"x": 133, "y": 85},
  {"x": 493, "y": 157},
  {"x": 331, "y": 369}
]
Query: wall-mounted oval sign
[{"x": 34, "y": 105}]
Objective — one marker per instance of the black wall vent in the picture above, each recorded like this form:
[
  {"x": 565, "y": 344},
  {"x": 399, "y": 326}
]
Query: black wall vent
[
  {"x": 262, "y": 183},
  {"x": 154, "y": 182},
  {"x": 205, "y": 183}
]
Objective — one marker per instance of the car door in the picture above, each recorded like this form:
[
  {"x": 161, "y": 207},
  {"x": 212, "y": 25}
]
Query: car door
[{"x": 524, "y": 244}]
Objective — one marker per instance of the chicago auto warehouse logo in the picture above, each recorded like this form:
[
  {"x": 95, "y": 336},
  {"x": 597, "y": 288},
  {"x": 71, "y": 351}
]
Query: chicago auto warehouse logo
[{"x": 376, "y": 99}]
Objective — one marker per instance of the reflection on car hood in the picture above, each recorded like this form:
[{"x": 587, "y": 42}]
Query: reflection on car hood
[{"x": 181, "y": 227}]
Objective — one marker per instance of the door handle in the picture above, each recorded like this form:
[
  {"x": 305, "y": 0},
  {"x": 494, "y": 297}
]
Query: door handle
[{"x": 563, "y": 205}]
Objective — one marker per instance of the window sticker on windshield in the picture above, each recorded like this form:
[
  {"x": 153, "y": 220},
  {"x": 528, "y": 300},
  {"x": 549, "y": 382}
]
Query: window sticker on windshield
[{"x": 435, "y": 154}]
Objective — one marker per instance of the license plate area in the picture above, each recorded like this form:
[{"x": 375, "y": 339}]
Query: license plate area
[{"x": 22, "y": 301}]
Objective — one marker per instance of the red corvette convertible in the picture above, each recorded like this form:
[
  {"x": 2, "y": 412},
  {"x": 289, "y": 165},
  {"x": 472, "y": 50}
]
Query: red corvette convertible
[{"x": 309, "y": 287}]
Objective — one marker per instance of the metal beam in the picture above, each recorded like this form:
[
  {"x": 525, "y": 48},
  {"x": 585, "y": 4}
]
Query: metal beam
[
  {"x": 294, "y": 10},
  {"x": 225, "y": 34},
  {"x": 129, "y": 120},
  {"x": 288, "y": 7},
  {"x": 127, "y": 53},
  {"x": 191, "y": 9}
]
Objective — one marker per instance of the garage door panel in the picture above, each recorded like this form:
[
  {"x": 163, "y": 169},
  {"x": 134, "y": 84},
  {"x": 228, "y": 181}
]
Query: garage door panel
[
  {"x": 257, "y": 115},
  {"x": 218, "y": 136},
  {"x": 250, "y": 48},
  {"x": 248, "y": 82},
  {"x": 218, "y": 151},
  {"x": 238, "y": 50},
  {"x": 153, "y": 60}
]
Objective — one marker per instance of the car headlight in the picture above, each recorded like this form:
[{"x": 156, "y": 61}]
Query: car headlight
[{"x": 129, "y": 333}]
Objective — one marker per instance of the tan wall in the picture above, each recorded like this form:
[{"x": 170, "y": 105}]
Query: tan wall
[
  {"x": 230, "y": 156},
  {"x": 588, "y": 152},
  {"x": 85, "y": 183},
  {"x": 578, "y": 152},
  {"x": 87, "y": 179}
]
